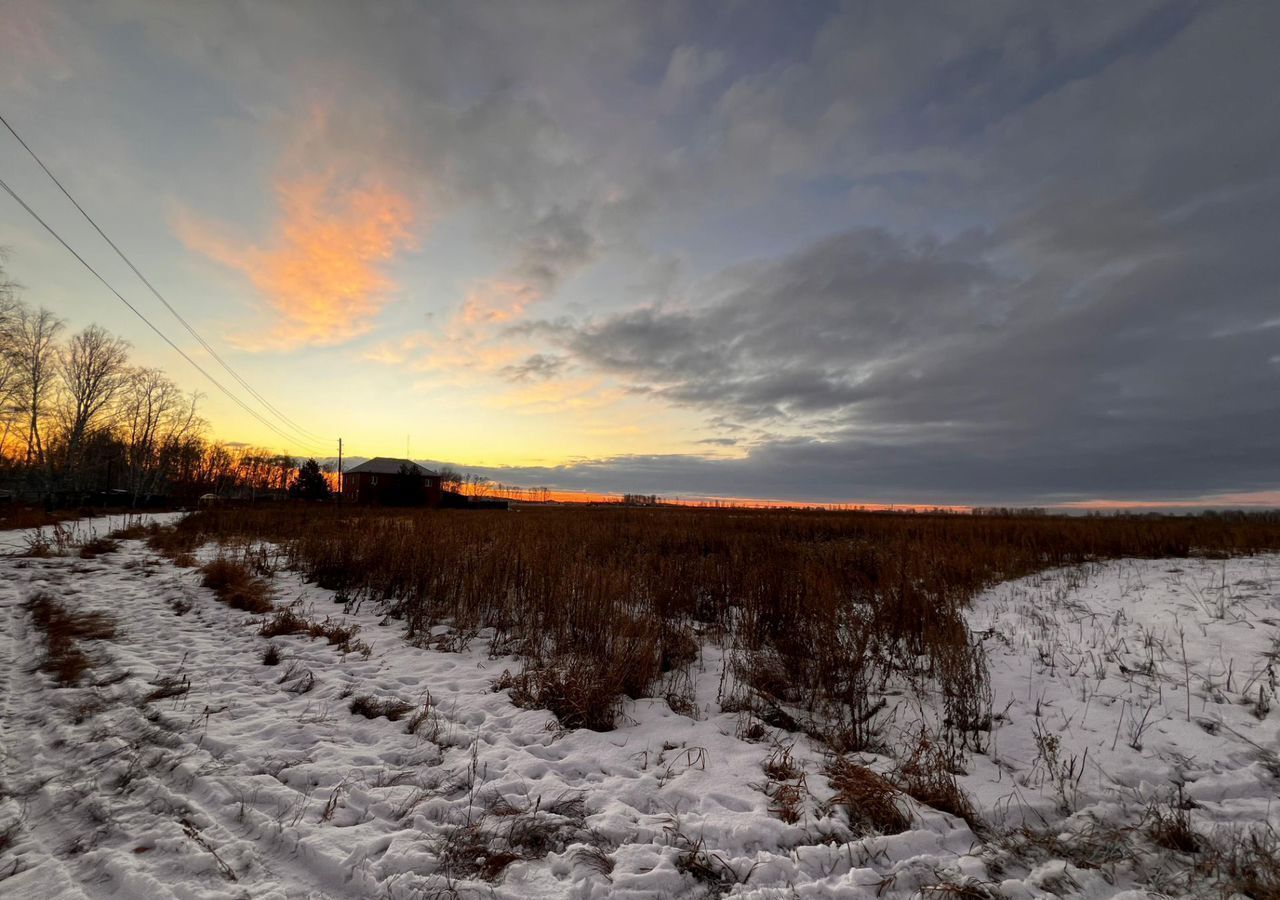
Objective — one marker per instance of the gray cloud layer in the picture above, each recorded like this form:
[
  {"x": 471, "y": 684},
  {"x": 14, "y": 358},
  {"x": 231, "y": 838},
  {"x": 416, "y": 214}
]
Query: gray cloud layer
[{"x": 1095, "y": 313}]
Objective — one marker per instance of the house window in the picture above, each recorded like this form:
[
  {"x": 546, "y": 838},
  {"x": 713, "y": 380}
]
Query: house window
[{"x": 373, "y": 480}]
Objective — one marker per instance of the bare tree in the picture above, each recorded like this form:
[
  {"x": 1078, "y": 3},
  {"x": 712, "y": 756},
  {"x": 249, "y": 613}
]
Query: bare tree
[
  {"x": 451, "y": 479},
  {"x": 94, "y": 369},
  {"x": 156, "y": 419},
  {"x": 10, "y": 313},
  {"x": 34, "y": 353}
]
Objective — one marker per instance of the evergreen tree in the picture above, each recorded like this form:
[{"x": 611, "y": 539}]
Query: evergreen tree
[
  {"x": 309, "y": 483},
  {"x": 409, "y": 489}
]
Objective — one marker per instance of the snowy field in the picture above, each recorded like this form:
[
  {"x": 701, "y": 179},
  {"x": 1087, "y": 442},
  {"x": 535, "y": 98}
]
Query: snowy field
[{"x": 184, "y": 766}]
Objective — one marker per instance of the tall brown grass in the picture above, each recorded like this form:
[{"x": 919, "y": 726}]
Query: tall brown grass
[
  {"x": 816, "y": 609},
  {"x": 64, "y": 629},
  {"x": 236, "y": 586}
]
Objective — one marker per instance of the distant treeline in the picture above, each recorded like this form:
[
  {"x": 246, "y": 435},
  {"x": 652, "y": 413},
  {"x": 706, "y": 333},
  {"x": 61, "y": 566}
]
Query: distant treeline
[{"x": 80, "y": 423}]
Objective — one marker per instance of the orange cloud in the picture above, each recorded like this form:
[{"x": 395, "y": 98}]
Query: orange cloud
[
  {"x": 556, "y": 396},
  {"x": 321, "y": 272},
  {"x": 456, "y": 354},
  {"x": 498, "y": 300}
]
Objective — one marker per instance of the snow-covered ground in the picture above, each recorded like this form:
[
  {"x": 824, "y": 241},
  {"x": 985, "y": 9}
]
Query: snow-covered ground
[
  {"x": 1112, "y": 685},
  {"x": 16, "y": 540}
]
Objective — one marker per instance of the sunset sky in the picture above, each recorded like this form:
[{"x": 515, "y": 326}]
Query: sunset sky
[{"x": 944, "y": 253}]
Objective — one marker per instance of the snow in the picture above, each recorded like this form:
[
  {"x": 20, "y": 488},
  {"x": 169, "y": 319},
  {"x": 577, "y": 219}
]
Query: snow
[
  {"x": 16, "y": 540},
  {"x": 245, "y": 786}
]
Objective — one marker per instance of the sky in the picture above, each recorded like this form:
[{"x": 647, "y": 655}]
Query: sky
[{"x": 979, "y": 253}]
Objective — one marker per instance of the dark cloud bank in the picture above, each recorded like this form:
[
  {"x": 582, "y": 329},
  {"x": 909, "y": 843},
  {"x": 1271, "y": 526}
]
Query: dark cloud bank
[{"x": 1096, "y": 312}]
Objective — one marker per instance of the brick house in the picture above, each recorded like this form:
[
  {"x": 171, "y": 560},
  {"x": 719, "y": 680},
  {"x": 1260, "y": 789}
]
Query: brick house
[{"x": 386, "y": 481}]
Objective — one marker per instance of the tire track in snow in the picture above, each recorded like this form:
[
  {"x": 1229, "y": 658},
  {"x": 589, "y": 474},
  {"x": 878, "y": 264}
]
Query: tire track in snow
[
  {"x": 39, "y": 847},
  {"x": 180, "y": 779},
  {"x": 218, "y": 652}
]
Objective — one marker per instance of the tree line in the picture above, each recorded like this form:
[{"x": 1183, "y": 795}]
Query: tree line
[{"x": 80, "y": 422}]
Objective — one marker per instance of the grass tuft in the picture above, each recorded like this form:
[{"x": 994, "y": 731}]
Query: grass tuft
[
  {"x": 64, "y": 630},
  {"x": 96, "y": 547},
  {"x": 926, "y": 775},
  {"x": 372, "y": 707},
  {"x": 874, "y": 805},
  {"x": 236, "y": 587}
]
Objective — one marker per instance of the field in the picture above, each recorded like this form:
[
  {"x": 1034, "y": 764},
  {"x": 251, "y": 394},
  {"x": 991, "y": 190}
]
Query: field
[{"x": 307, "y": 702}]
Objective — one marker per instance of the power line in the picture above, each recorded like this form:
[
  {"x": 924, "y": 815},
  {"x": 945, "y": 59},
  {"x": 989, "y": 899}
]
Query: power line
[
  {"x": 303, "y": 434},
  {"x": 139, "y": 314}
]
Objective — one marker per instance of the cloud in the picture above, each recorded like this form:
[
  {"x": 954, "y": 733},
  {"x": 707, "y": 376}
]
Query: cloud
[
  {"x": 689, "y": 70},
  {"x": 551, "y": 249},
  {"x": 321, "y": 273},
  {"x": 1103, "y": 332},
  {"x": 800, "y": 337},
  {"x": 457, "y": 354},
  {"x": 535, "y": 367},
  {"x": 559, "y": 396},
  {"x": 890, "y": 368},
  {"x": 478, "y": 344},
  {"x": 35, "y": 45}
]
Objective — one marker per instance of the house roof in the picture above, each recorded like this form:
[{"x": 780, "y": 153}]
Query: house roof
[{"x": 387, "y": 465}]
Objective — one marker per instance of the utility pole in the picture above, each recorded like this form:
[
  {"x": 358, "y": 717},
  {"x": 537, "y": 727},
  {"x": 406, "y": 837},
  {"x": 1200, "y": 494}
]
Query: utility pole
[{"x": 339, "y": 470}]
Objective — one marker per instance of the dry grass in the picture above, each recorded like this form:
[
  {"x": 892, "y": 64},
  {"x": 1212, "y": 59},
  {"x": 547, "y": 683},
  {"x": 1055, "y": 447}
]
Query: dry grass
[
  {"x": 135, "y": 530},
  {"x": 285, "y": 621},
  {"x": 926, "y": 774},
  {"x": 236, "y": 587},
  {"x": 64, "y": 630},
  {"x": 426, "y": 721},
  {"x": 95, "y": 547},
  {"x": 1169, "y": 825},
  {"x": 579, "y": 696},
  {"x": 341, "y": 635},
  {"x": 372, "y": 707},
  {"x": 1245, "y": 863},
  {"x": 873, "y": 804},
  {"x": 503, "y": 830},
  {"x": 177, "y": 546},
  {"x": 1228, "y": 861},
  {"x": 165, "y": 686},
  {"x": 817, "y": 610}
]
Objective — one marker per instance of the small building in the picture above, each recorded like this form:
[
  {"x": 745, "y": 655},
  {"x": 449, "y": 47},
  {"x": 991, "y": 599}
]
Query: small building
[{"x": 386, "y": 481}]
